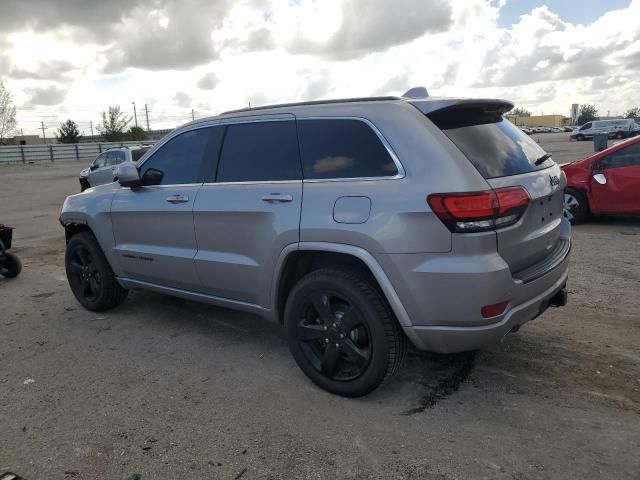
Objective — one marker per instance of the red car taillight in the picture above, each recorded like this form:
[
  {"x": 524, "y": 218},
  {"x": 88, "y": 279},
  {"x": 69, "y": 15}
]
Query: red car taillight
[{"x": 480, "y": 211}]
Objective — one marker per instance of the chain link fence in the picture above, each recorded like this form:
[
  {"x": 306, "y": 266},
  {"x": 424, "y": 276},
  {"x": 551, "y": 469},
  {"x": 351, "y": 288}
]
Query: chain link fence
[{"x": 60, "y": 152}]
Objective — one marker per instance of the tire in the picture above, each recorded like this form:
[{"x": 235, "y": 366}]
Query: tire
[
  {"x": 580, "y": 137},
  {"x": 12, "y": 266},
  {"x": 576, "y": 208},
  {"x": 84, "y": 184},
  {"x": 342, "y": 333},
  {"x": 619, "y": 135},
  {"x": 90, "y": 277}
]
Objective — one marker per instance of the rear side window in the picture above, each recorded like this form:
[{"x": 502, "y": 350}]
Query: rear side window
[
  {"x": 138, "y": 153},
  {"x": 342, "y": 149},
  {"x": 625, "y": 157},
  {"x": 115, "y": 157},
  {"x": 182, "y": 159},
  {"x": 492, "y": 144},
  {"x": 259, "y": 152}
]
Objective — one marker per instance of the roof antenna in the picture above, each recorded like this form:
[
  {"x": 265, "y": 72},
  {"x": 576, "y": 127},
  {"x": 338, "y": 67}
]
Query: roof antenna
[{"x": 416, "y": 92}]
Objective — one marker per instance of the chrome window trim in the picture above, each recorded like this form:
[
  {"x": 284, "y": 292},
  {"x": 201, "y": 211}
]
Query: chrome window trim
[
  {"x": 401, "y": 171},
  {"x": 284, "y": 117}
]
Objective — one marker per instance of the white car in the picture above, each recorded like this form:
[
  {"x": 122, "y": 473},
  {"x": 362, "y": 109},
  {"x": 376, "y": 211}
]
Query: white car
[
  {"x": 103, "y": 169},
  {"x": 619, "y": 128}
]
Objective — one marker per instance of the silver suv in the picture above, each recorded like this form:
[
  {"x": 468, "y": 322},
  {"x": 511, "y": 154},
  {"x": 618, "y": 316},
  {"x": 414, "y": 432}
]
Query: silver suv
[
  {"x": 104, "y": 168},
  {"x": 357, "y": 224}
]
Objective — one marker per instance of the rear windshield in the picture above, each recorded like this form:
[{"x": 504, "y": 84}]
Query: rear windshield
[{"x": 495, "y": 146}]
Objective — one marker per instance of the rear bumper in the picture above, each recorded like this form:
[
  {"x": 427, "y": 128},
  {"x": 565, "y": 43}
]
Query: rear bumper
[
  {"x": 450, "y": 339},
  {"x": 443, "y": 295}
]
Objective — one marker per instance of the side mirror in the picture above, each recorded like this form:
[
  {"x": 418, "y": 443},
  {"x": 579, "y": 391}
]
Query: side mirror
[
  {"x": 93, "y": 166},
  {"x": 152, "y": 176},
  {"x": 128, "y": 175},
  {"x": 600, "y": 178}
]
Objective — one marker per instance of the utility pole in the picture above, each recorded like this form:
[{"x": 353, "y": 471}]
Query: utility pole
[
  {"x": 193, "y": 115},
  {"x": 146, "y": 112},
  {"x": 135, "y": 115},
  {"x": 91, "y": 125},
  {"x": 44, "y": 138}
]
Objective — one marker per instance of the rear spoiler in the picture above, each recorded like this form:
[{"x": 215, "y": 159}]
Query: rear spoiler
[
  {"x": 449, "y": 113},
  {"x": 432, "y": 104}
]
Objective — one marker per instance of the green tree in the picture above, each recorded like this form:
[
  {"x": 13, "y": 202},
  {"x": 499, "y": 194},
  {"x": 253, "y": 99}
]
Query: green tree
[
  {"x": 521, "y": 112},
  {"x": 7, "y": 113},
  {"x": 68, "y": 132},
  {"x": 114, "y": 124},
  {"x": 137, "y": 133},
  {"x": 588, "y": 113},
  {"x": 633, "y": 113}
]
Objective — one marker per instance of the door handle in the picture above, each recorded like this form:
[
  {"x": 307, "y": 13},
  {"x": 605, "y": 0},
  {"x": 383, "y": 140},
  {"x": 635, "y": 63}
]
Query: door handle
[
  {"x": 277, "y": 198},
  {"x": 177, "y": 198}
]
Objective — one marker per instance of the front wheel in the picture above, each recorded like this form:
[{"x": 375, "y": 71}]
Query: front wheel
[
  {"x": 580, "y": 137},
  {"x": 575, "y": 206},
  {"x": 342, "y": 332},
  {"x": 12, "y": 266},
  {"x": 619, "y": 135},
  {"x": 90, "y": 277}
]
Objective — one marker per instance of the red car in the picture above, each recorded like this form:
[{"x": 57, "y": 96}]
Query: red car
[{"x": 606, "y": 183}]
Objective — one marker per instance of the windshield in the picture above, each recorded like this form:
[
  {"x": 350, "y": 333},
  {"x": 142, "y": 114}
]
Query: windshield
[{"x": 495, "y": 146}]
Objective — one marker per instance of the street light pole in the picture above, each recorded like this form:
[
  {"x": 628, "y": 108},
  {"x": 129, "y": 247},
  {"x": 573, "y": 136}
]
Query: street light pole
[{"x": 135, "y": 115}]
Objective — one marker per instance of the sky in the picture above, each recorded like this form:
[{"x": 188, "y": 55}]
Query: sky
[{"x": 73, "y": 58}]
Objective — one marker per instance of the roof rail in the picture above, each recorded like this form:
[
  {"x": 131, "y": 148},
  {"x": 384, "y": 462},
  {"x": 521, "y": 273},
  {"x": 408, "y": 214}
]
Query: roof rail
[{"x": 314, "y": 102}]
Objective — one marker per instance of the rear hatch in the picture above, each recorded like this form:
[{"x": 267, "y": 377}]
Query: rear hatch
[{"x": 507, "y": 157}]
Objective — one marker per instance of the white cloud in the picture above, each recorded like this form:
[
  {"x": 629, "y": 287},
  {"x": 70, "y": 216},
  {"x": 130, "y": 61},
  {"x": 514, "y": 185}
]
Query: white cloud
[{"x": 214, "y": 55}]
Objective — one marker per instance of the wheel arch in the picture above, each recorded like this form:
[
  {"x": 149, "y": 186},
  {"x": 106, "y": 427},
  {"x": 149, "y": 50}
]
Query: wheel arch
[{"x": 297, "y": 260}]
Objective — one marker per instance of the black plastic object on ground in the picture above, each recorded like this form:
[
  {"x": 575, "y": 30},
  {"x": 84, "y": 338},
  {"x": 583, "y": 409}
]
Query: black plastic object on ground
[{"x": 600, "y": 141}]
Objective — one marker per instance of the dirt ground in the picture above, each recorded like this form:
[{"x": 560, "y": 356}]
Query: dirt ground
[{"x": 173, "y": 389}]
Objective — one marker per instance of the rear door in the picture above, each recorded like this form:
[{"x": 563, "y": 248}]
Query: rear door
[
  {"x": 620, "y": 192},
  {"x": 507, "y": 157},
  {"x": 153, "y": 225},
  {"x": 251, "y": 212}
]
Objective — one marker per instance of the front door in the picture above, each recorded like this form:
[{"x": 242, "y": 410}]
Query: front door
[
  {"x": 615, "y": 185},
  {"x": 251, "y": 212},
  {"x": 98, "y": 170},
  {"x": 153, "y": 225}
]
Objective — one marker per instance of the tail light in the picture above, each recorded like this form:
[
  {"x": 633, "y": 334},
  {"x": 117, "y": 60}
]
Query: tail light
[{"x": 480, "y": 211}]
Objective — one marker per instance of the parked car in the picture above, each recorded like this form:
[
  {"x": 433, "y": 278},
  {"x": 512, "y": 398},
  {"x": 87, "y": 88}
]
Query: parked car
[
  {"x": 621, "y": 128},
  {"x": 557, "y": 130},
  {"x": 435, "y": 221},
  {"x": 569, "y": 129},
  {"x": 606, "y": 183},
  {"x": 103, "y": 168}
]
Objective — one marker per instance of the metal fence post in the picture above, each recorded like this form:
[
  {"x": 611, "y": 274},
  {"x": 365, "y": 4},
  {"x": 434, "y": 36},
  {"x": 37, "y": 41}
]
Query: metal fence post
[
  {"x": 51, "y": 152},
  {"x": 77, "y": 154},
  {"x": 99, "y": 147},
  {"x": 22, "y": 153}
]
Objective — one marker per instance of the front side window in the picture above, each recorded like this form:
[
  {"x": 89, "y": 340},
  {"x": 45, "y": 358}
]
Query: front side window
[
  {"x": 586, "y": 126},
  {"x": 183, "y": 157},
  {"x": 259, "y": 152},
  {"x": 342, "y": 148},
  {"x": 115, "y": 157},
  {"x": 625, "y": 157},
  {"x": 100, "y": 161}
]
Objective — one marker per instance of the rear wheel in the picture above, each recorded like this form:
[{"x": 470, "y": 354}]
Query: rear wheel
[
  {"x": 12, "y": 266},
  {"x": 90, "y": 277},
  {"x": 579, "y": 137},
  {"x": 575, "y": 206},
  {"x": 342, "y": 333}
]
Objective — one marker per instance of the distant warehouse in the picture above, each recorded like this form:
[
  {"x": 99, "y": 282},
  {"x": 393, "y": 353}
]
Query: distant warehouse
[{"x": 539, "y": 120}]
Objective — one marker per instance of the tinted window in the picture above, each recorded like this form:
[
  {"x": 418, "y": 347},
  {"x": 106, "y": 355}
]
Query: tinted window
[
  {"x": 342, "y": 149},
  {"x": 138, "y": 153},
  {"x": 181, "y": 159},
  {"x": 261, "y": 151},
  {"x": 625, "y": 157},
  {"x": 586, "y": 126},
  {"x": 496, "y": 148}
]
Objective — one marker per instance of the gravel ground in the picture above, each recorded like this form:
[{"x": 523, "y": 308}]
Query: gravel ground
[{"x": 173, "y": 389}]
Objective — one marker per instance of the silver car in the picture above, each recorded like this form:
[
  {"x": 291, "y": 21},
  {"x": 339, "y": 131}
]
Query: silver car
[
  {"x": 104, "y": 168},
  {"x": 360, "y": 225}
]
